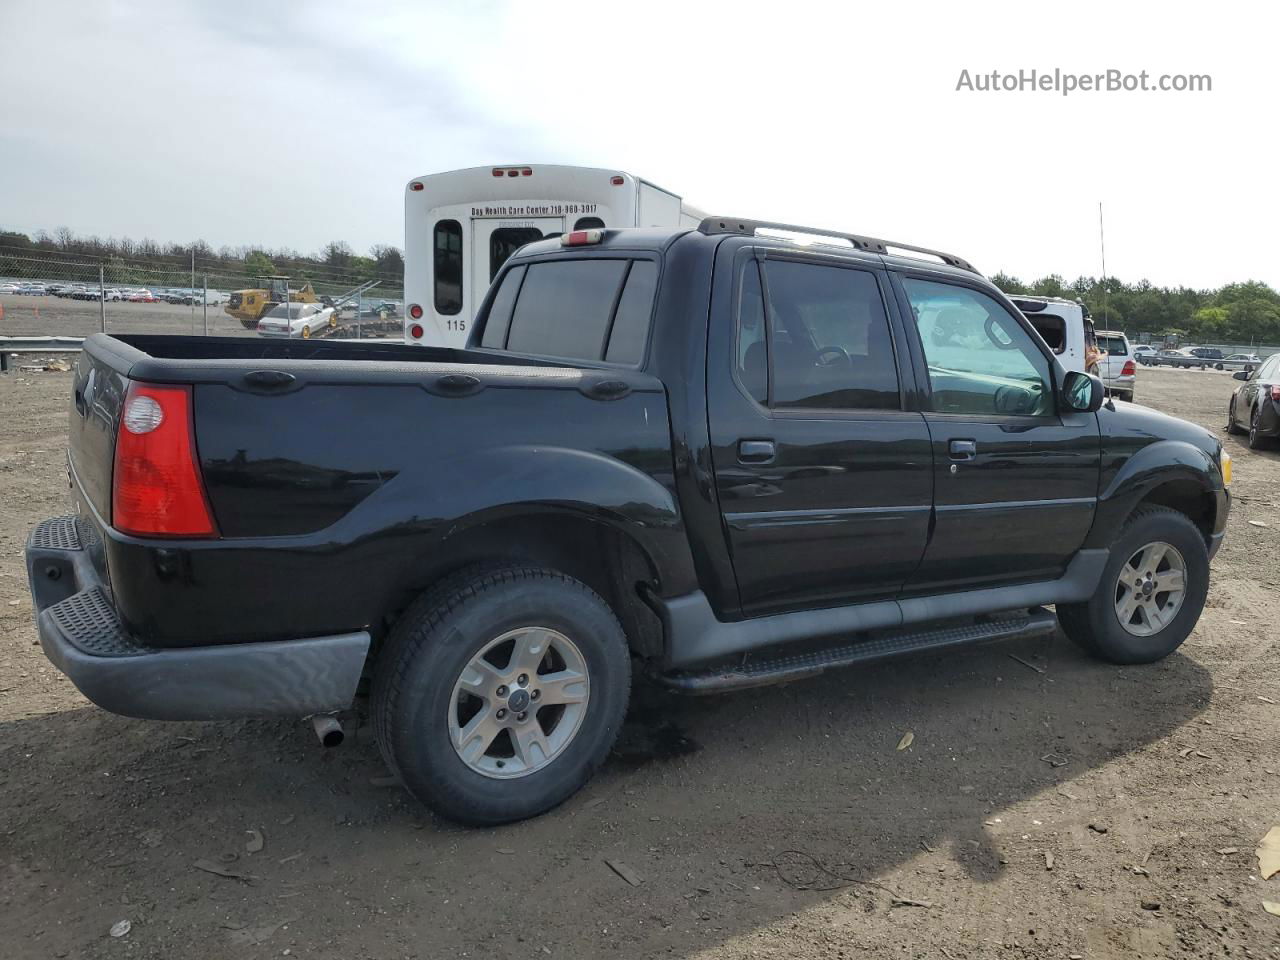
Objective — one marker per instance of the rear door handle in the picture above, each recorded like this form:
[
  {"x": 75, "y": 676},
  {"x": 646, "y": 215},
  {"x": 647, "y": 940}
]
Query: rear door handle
[
  {"x": 964, "y": 449},
  {"x": 756, "y": 451}
]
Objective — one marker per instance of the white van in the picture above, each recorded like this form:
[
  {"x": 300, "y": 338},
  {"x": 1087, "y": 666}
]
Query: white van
[
  {"x": 1068, "y": 329},
  {"x": 461, "y": 226}
]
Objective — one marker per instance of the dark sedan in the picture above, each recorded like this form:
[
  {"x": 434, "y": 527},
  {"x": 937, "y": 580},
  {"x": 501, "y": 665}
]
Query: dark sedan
[{"x": 1255, "y": 406}]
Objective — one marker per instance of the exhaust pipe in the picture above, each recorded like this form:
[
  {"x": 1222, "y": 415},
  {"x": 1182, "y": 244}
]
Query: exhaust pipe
[{"x": 328, "y": 729}]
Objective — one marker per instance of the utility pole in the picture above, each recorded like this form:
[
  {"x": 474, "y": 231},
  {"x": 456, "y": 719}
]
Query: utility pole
[
  {"x": 205, "y": 301},
  {"x": 102, "y": 298},
  {"x": 1102, "y": 242},
  {"x": 192, "y": 288}
]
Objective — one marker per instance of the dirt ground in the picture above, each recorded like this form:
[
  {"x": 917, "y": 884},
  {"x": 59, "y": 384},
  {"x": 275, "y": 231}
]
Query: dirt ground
[{"x": 1048, "y": 806}]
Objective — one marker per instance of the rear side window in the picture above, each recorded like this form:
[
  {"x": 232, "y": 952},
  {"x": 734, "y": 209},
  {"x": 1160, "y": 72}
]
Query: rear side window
[
  {"x": 564, "y": 308},
  {"x": 447, "y": 267},
  {"x": 586, "y": 309}
]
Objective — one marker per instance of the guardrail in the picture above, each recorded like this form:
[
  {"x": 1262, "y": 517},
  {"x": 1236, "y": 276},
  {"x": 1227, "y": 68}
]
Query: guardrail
[{"x": 12, "y": 346}]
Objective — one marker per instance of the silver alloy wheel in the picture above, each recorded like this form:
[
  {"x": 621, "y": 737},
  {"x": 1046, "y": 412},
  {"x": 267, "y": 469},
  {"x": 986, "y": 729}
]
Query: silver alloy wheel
[
  {"x": 1150, "y": 589},
  {"x": 519, "y": 702}
]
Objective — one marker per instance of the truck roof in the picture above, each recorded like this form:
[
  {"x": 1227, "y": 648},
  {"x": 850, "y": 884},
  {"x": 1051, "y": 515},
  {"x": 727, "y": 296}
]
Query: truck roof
[{"x": 776, "y": 235}]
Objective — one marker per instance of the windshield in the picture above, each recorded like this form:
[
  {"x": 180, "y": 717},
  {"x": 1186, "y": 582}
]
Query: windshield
[{"x": 293, "y": 311}]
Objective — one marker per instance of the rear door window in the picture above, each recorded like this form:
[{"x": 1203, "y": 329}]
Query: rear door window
[
  {"x": 447, "y": 266},
  {"x": 505, "y": 241},
  {"x": 828, "y": 343}
]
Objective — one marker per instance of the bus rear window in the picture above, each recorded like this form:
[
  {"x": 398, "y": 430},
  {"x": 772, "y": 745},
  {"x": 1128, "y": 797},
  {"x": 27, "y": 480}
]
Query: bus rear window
[
  {"x": 447, "y": 267},
  {"x": 588, "y": 309}
]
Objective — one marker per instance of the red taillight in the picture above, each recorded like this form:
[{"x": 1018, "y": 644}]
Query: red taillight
[
  {"x": 1275, "y": 393},
  {"x": 617, "y": 181},
  {"x": 526, "y": 172},
  {"x": 156, "y": 489},
  {"x": 415, "y": 185},
  {"x": 513, "y": 173},
  {"x": 416, "y": 331},
  {"x": 1129, "y": 369},
  {"x": 415, "y": 311},
  {"x": 497, "y": 172}
]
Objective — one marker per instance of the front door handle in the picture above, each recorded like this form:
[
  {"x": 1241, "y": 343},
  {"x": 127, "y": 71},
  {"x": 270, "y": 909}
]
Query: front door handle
[
  {"x": 964, "y": 449},
  {"x": 756, "y": 451}
]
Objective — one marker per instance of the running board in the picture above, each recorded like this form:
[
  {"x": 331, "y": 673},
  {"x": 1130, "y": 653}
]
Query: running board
[{"x": 757, "y": 671}]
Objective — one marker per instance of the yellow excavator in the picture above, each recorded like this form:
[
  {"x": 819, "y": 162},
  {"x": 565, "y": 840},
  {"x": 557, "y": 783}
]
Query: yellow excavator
[{"x": 248, "y": 306}]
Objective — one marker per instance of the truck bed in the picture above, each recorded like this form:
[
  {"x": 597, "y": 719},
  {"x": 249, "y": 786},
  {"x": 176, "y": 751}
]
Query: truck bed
[{"x": 334, "y": 470}]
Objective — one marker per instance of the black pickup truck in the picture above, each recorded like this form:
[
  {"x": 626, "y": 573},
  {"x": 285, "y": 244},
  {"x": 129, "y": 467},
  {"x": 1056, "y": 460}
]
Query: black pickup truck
[{"x": 717, "y": 454}]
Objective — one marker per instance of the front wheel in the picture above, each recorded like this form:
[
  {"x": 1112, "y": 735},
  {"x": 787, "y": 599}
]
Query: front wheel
[
  {"x": 1151, "y": 593},
  {"x": 500, "y": 692}
]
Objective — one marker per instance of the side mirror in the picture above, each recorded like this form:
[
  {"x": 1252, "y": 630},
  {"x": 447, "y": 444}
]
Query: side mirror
[
  {"x": 1242, "y": 374},
  {"x": 1082, "y": 392}
]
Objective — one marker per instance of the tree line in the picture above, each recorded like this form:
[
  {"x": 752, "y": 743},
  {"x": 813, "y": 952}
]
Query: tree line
[
  {"x": 336, "y": 263},
  {"x": 1239, "y": 313}
]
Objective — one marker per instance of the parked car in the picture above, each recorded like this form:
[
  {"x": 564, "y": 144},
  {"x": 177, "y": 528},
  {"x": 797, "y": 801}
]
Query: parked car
[
  {"x": 637, "y": 457},
  {"x": 32, "y": 289},
  {"x": 1117, "y": 368},
  {"x": 1143, "y": 353},
  {"x": 8, "y": 288},
  {"x": 1254, "y": 407},
  {"x": 143, "y": 296},
  {"x": 1206, "y": 353},
  {"x": 1178, "y": 358},
  {"x": 297, "y": 320},
  {"x": 1239, "y": 361}
]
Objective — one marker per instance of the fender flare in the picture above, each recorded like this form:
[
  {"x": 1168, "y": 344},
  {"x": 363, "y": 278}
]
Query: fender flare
[
  {"x": 1151, "y": 467},
  {"x": 496, "y": 483}
]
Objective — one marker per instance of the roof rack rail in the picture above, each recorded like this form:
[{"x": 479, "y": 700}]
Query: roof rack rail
[{"x": 737, "y": 225}]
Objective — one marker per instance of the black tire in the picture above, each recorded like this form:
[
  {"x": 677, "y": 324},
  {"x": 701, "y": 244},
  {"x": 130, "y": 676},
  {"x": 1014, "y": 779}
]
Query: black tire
[
  {"x": 1256, "y": 440},
  {"x": 437, "y": 637},
  {"x": 1094, "y": 625},
  {"x": 1233, "y": 428},
  {"x": 1125, "y": 395}
]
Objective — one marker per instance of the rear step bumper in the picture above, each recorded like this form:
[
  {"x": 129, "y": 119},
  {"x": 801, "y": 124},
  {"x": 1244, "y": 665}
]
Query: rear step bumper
[
  {"x": 755, "y": 670},
  {"x": 82, "y": 636}
]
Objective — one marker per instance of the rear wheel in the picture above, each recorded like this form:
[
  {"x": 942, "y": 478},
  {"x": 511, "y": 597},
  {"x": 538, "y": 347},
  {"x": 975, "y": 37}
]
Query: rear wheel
[
  {"x": 1151, "y": 593},
  {"x": 500, "y": 692},
  {"x": 1232, "y": 426},
  {"x": 1256, "y": 439}
]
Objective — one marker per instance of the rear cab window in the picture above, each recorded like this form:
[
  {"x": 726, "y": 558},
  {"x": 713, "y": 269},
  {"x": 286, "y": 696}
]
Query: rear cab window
[{"x": 596, "y": 308}]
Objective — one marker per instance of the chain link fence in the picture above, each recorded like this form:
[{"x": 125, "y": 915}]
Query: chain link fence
[
  {"x": 1160, "y": 342},
  {"x": 48, "y": 295}
]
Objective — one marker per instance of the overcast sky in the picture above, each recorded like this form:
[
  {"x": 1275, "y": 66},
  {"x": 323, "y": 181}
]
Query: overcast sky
[{"x": 295, "y": 124}]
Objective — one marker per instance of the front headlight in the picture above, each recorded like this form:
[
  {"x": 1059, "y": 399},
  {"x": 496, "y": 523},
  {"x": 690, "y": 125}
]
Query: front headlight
[{"x": 1224, "y": 461}]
